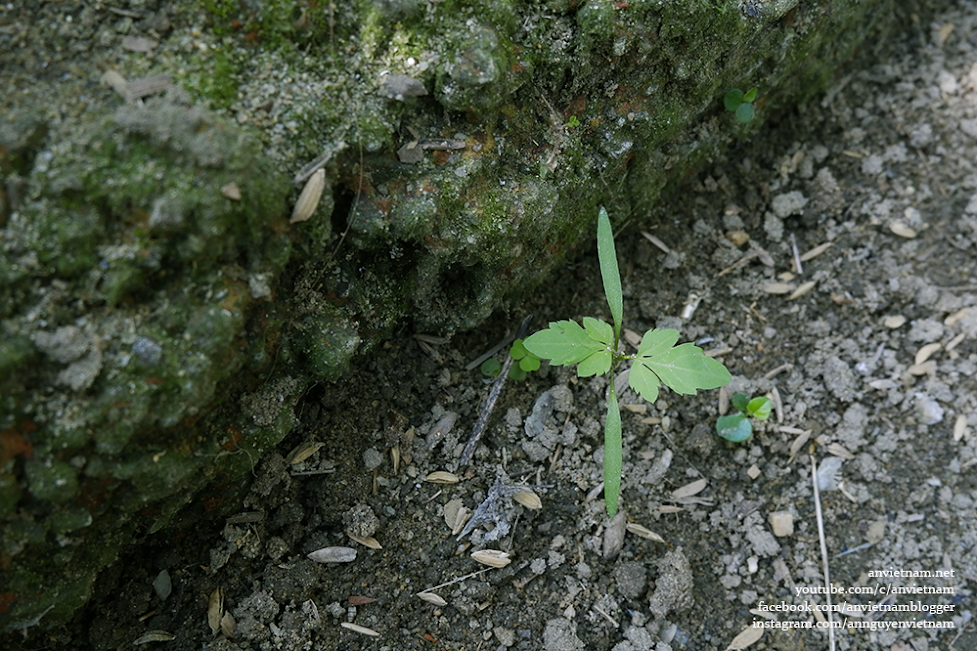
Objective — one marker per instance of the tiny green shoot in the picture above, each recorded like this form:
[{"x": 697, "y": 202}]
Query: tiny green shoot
[
  {"x": 594, "y": 348},
  {"x": 741, "y": 104},
  {"x": 573, "y": 122},
  {"x": 737, "y": 427},
  {"x": 527, "y": 363}
]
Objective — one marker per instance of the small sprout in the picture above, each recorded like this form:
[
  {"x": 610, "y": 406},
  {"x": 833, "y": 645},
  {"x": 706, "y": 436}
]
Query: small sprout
[
  {"x": 740, "y": 103},
  {"x": 737, "y": 427},
  {"x": 594, "y": 346},
  {"x": 573, "y": 122},
  {"x": 527, "y": 362}
]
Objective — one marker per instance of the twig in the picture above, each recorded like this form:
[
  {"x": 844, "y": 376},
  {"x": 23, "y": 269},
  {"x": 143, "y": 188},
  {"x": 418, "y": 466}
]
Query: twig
[
  {"x": 824, "y": 551},
  {"x": 493, "y": 397},
  {"x": 797, "y": 256},
  {"x": 458, "y": 580}
]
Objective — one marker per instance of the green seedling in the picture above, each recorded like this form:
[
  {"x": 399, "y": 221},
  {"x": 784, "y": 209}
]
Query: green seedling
[
  {"x": 594, "y": 348},
  {"x": 740, "y": 103},
  {"x": 527, "y": 363},
  {"x": 737, "y": 427},
  {"x": 573, "y": 122}
]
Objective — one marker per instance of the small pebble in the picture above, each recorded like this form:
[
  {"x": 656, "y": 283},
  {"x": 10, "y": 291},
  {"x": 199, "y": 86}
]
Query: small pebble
[{"x": 782, "y": 523}]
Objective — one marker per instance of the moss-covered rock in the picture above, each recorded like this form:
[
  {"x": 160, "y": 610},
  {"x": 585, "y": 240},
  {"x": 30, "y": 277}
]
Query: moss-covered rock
[{"x": 159, "y": 313}]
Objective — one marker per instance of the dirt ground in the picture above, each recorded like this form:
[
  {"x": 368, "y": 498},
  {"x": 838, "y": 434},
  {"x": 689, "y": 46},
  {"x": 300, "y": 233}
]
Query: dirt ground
[{"x": 869, "y": 351}]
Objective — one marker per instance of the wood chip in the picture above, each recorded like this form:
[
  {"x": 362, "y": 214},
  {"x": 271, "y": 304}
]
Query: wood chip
[
  {"x": 309, "y": 199},
  {"x": 442, "y": 477},
  {"x": 528, "y": 498},
  {"x": 366, "y": 541},
  {"x": 432, "y": 598},
  {"x": 690, "y": 489},
  {"x": 360, "y": 601},
  {"x": 816, "y": 251},
  {"x": 777, "y": 288},
  {"x": 333, "y": 555},
  {"x": 360, "y": 629},
  {"x": 803, "y": 289},
  {"x": 642, "y": 532},
  {"x": 491, "y": 557},
  {"x": 747, "y": 637},
  {"x": 926, "y": 352}
]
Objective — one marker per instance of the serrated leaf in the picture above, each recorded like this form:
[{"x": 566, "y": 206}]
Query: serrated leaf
[
  {"x": 613, "y": 453},
  {"x": 598, "y": 330},
  {"x": 643, "y": 380},
  {"x": 740, "y": 401},
  {"x": 685, "y": 369},
  {"x": 609, "y": 272},
  {"x": 734, "y": 427},
  {"x": 655, "y": 342},
  {"x": 563, "y": 343},
  {"x": 597, "y": 364},
  {"x": 760, "y": 408}
]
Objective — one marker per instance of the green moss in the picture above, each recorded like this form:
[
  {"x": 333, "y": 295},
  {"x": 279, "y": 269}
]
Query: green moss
[{"x": 53, "y": 481}]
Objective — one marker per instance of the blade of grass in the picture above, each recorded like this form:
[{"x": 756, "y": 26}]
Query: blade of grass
[{"x": 609, "y": 272}]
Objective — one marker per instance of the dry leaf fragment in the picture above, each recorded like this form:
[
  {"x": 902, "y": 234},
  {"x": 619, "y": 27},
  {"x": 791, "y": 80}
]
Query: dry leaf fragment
[
  {"x": 642, "y": 532},
  {"x": 303, "y": 451},
  {"x": 360, "y": 601},
  {"x": 154, "y": 636},
  {"x": 367, "y": 541},
  {"x": 690, "y": 489},
  {"x": 748, "y": 636},
  {"x": 228, "y": 625},
  {"x": 816, "y": 251},
  {"x": 799, "y": 442},
  {"x": 777, "y": 288},
  {"x": 926, "y": 352},
  {"x": 215, "y": 609},
  {"x": 492, "y": 557},
  {"x": 360, "y": 629},
  {"x": 231, "y": 191},
  {"x": 838, "y": 450},
  {"x": 803, "y": 289},
  {"x": 528, "y": 498},
  {"x": 308, "y": 201},
  {"x": 333, "y": 555},
  {"x": 432, "y": 598},
  {"x": 902, "y": 230},
  {"x": 959, "y": 428},
  {"x": 442, "y": 477}
]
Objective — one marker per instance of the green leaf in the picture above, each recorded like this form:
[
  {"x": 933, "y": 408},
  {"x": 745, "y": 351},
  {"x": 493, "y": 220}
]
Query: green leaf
[
  {"x": 740, "y": 401},
  {"x": 760, "y": 408},
  {"x": 643, "y": 380},
  {"x": 685, "y": 368},
  {"x": 655, "y": 342},
  {"x": 733, "y": 99},
  {"x": 598, "y": 331},
  {"x": 529, "y": 363},
  {"x": 516, "y": 372},
  {"x": 518, "y": 350},
  {"x": 750, "y": 95},
  {"x": 745, "y": 112},
  {"x": 609, "y": 272},
  {"x": 563, "y": 343},
  {"x": 490, "y": 367},
  {"x": 597, "y": 364},
  {"x": 613, "y": 453},
  {"x": 734, "y": 427}
]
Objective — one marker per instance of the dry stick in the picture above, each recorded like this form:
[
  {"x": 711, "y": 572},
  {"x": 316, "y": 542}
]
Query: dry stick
[
  {"x": 824, "y": 552},
  {"x": 483, "y": 417}
]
